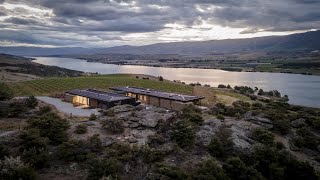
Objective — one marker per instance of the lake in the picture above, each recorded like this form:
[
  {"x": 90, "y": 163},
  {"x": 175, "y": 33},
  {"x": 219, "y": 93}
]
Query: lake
[{"x": 301, "y": 89}]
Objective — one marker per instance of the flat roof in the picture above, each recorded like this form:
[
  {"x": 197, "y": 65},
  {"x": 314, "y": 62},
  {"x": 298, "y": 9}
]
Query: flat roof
[
  {"x": 99, "y": 95},
  {"x": 157, "y": 93}
]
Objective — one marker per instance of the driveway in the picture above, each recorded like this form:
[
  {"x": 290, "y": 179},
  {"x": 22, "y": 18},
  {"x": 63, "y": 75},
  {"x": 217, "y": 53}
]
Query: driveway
[{"x": 67, "y": 108}]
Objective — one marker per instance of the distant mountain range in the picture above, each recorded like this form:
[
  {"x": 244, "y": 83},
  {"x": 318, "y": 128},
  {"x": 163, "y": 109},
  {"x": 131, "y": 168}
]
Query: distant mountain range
[{"x": 308, "y": 41}]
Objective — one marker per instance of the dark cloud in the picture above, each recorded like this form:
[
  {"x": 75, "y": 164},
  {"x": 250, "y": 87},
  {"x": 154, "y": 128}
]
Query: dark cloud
[
  {"x": 21, "y": 21},
  {"x": 111, "y": 19}
]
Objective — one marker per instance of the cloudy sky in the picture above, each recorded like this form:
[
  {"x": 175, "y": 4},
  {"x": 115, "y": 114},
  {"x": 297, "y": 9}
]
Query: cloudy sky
[{"x": 105, "y": 23}]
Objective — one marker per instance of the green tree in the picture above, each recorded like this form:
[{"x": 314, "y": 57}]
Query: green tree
[
  {"x": 263, "y": 136},
  {"x": 236, "y": 169},
  {"x": 31, "y": 102},
  {"x": 81, "y": 129},
  {"x": 209, "y": 170},
  {"x": 5, "y": 92},
  {"x": 221, "y": 144},
  {"x": 50, "y": 125},
  {"x": 104, "y": 168},
  {"x": 183, "y": 133}
]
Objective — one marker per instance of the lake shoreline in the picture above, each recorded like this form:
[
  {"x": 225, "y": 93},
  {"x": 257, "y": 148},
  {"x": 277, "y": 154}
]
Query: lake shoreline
[
  {"x": 302, "y": 89},
  {"x": 199, "y": 67}
]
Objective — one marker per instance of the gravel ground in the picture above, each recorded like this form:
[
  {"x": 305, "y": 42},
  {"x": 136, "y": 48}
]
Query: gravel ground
[{"x": 67, "y": 108}]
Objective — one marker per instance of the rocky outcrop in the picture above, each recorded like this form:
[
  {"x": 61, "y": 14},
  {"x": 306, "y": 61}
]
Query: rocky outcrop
[
  {"x": 207, "y": 131},
  {"x": 122, "y": 108},
  {"x": 240, "y": 132},
  {"x": 141, "y": 137},
  {"x": 259, "y": 120},
  {"x": 298, "y": 123},
  {"x": 107, "y": 142}
]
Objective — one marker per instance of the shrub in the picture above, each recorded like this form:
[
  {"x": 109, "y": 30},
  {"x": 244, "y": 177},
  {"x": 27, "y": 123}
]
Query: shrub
[
  {"x": 93, "y": 117},
  {"x": 195, "y": 118},
  {"x": 164, "y": 171},
  {"x": 104, "y": 168},
  {"x": 282, "y": 125},
  {"x": 221, "y": 117},
  {"x": 306, "y": 138},
  {"x": 3, "y": 151},
  {"x": 50, "y": 125},
  {"x": 14, "y": 168},
  {"x": 45, "y": 109},
  {"x": 122, "y": 152},
  {"x": 274, "y": 164},
  {"x": 235, "y": 168},
  {"x": 222, "y": 144},
  {"x": 31, "y": 102},
  {"x": 209, "y": 170},
  {"x": 16, "y": 109},
  {"x": 113, "y": 125},
  {"x": 5, "y": 92},
  {"x": 183, "y": 133},
  {"x": 31, "y": 139},
  {"x": 95, "y": 143},
  {"x": 151, "y": 155},
  {"x": 109, "y": 113},
  {"x": 263, "y": 136},
  {"x": 190, "y": 109},
  {"x": 222, "y": 86},
  {"x": 73, "y": 150},
  {"x": 81, "y": 129},
  {"x": 36, "y": 157},
  {"x": 192, "y": 114},
  {"x": 156, "y": 139}
]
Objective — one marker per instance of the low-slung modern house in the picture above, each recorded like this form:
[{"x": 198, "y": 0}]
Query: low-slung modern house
[
  {"x": 97, "y": 99},
  {"x": 159, "y": 98}
]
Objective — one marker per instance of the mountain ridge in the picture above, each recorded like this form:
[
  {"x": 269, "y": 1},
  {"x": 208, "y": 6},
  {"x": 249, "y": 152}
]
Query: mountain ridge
[{"x": 307, "y": 41}]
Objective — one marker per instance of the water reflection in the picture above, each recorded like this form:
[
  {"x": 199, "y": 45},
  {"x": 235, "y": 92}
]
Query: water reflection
[{"x": 301, "y": 89}]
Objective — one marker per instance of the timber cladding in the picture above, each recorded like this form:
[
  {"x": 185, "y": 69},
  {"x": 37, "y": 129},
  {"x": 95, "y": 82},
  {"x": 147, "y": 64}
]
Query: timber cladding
[
  {"x": 165, "y": 103},
  {"x": 155, "y": 101}
]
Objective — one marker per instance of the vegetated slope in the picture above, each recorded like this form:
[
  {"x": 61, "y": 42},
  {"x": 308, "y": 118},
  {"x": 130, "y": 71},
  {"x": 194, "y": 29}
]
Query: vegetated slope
[
  {"x": 56, "y": 85},
  {"x": 297, "y": 42},
  {"x": 17, "y": 64}
]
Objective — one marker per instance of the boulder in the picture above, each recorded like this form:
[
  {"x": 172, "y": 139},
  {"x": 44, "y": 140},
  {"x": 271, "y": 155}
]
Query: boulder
[
  {"x": 122, "y": 108},
  {"x": 107, "y": 142},
  {"x": 124, "y": 115},
  {"x": 258, "y": 120},
  {"x": 298, "y": 123},
  {"x": 240, "y": 138},
  {"x": 134, "y": 119},
  {"x": 207, "y": 131},
  {"x": 151, "y": 120},
  {"x": 134, "y": 125},
  {"x": 142, "y": 136},
  {"x": 132, "y": 140}
]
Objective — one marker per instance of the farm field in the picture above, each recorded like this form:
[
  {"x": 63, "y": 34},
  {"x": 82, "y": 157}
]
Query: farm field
[{"x": 49, "y": 86}]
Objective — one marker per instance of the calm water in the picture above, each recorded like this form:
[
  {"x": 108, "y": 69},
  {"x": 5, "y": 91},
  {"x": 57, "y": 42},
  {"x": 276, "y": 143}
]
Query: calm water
[{"x": 301, "y": 89}]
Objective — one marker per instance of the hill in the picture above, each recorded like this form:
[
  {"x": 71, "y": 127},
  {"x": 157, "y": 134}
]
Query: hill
[
  {"x": 17, "y": 68},
  {"x": 291, "y": 43}
]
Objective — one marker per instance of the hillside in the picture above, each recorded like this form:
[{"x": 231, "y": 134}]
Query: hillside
[
  {"x": 297, "y": 42},
  {"x": 251, "y": 139},
  {"x": 17, "y": 68}
]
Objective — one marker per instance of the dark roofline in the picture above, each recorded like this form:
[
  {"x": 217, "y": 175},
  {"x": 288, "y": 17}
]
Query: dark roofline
[
  {"x": 155, "y": 93},
  {"x": 98, "y": 95}
]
